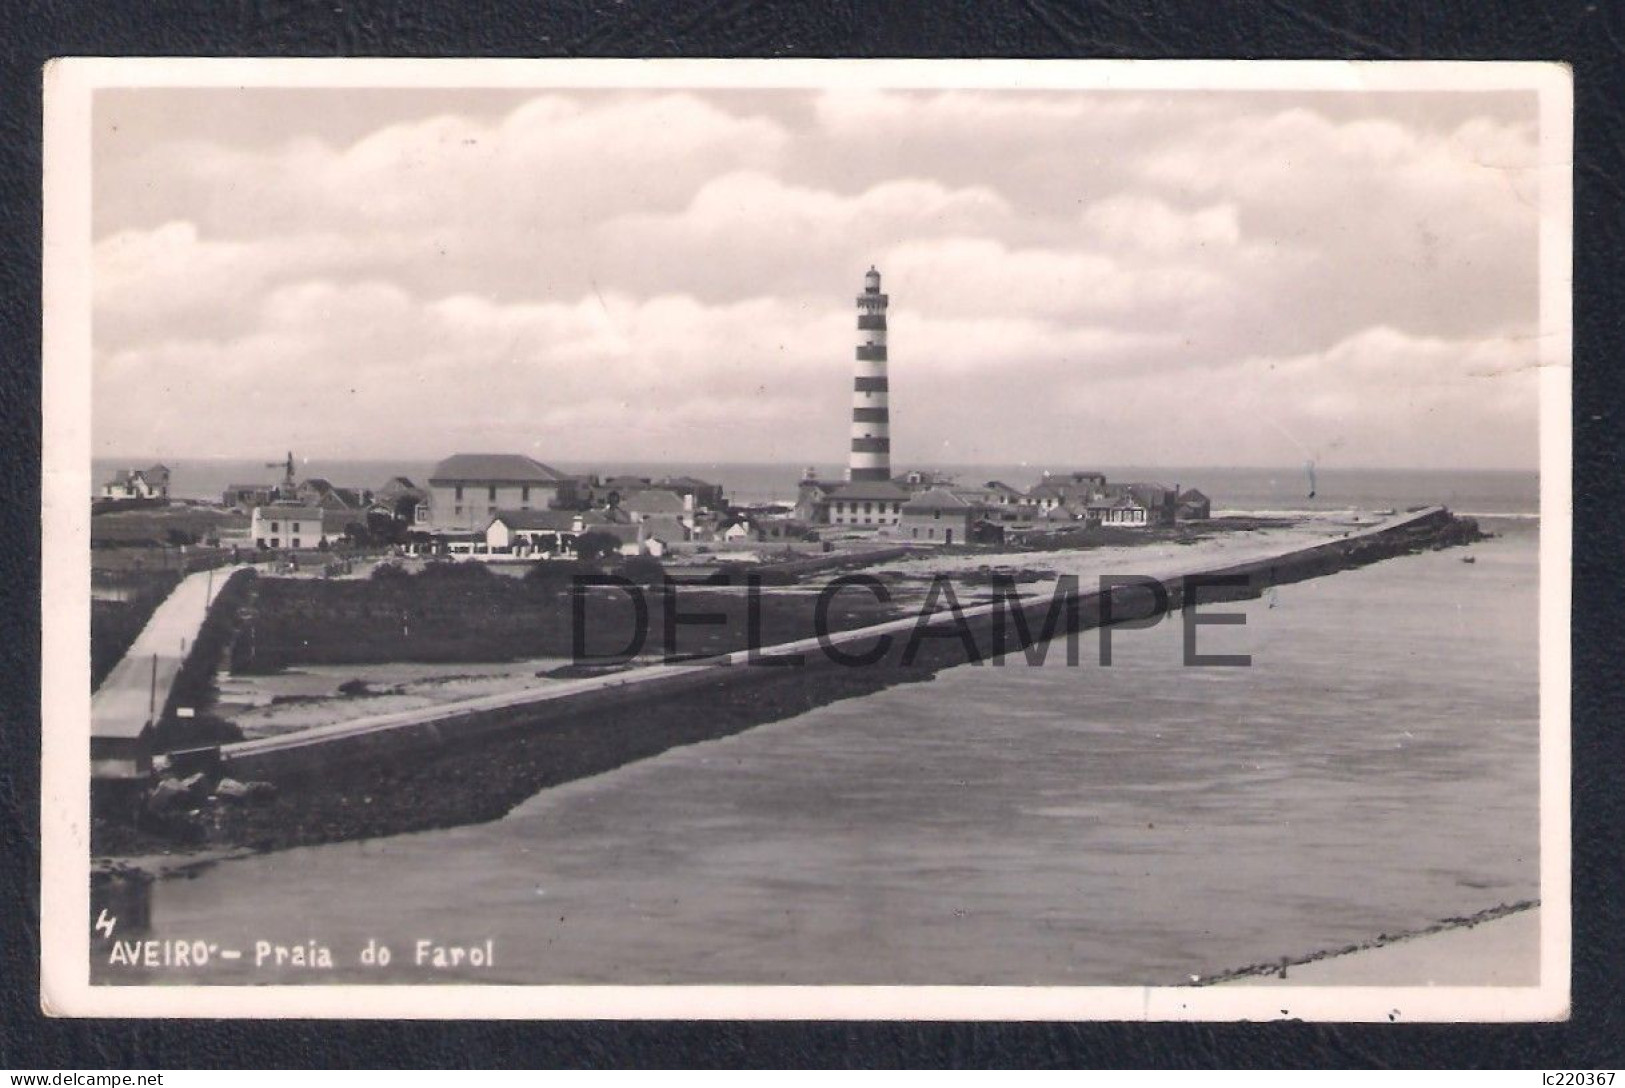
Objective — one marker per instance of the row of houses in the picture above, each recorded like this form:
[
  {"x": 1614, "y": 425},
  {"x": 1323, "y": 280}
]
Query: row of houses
[
  {"x": 552, "y": 533},
  {"x": 540, "y": 534},
  {"x": 467, "y": 489},
  {"x": 543, "y": 534},
  {"x": 931, "y": 506},
  {"x": 512, "y": 504},
  {"x": 398, "y": 497},
  {"x": 502, "y": 503}
]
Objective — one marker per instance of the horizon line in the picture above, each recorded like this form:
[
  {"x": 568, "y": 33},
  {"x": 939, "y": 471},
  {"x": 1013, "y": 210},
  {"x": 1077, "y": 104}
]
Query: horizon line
[{"x": 833, "y": 461}]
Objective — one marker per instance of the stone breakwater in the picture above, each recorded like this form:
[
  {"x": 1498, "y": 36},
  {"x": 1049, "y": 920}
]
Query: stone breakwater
[{"x": 473, "y": 762}]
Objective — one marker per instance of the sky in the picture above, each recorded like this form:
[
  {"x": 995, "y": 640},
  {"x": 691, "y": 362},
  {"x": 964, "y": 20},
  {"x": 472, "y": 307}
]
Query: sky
[{"x": 1076, "y": 277}]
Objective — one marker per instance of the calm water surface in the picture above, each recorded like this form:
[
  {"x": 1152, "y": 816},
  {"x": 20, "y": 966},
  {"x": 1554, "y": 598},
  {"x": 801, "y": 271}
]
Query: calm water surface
[{"x": 1374, "y": 771}]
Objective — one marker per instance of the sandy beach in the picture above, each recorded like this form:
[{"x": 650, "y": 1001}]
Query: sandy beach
[{"x": 1503, "y": 951}]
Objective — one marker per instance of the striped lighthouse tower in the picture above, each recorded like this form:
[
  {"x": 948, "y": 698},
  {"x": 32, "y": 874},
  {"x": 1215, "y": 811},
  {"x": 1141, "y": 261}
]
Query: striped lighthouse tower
[{"x": 871, "y": 422}]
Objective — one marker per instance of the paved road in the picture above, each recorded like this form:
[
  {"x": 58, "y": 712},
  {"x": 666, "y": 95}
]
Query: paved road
[{"x": 126, "y": 700}]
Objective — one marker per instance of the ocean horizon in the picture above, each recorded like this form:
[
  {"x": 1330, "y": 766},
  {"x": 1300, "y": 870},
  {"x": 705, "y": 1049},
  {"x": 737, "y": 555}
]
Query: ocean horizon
[{"x": 1279, "y": 489}]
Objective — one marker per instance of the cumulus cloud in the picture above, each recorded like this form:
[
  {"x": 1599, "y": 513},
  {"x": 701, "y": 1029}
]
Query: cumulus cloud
[
  {"x": 1075, "y": 277},
  {"x": 1132, "y": 220}
]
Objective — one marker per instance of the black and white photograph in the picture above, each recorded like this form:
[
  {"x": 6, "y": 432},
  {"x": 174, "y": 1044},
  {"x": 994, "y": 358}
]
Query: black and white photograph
[{"x": 798, "y": 540}]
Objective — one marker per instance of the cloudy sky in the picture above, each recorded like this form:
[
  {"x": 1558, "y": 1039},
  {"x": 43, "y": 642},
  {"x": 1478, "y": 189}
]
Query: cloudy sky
[{"x": 1076, "y": 277}]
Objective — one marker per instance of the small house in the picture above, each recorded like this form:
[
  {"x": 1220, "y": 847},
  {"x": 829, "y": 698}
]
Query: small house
[
  {"x": 286, "y": 526},
  {"x": 1122, "y": 511},
  {"x": 138, "y": 483},
  {"x": 534, "y": 533},
  {"x": 941, "y": 517},
  {"x": 657, "y": 502},
  {"x": 736, "y": 531},
  {"x": 1002, "y": 494},
  {"x": 660, "y": 533},
  {"x": 812, "y": 498},
  {"x": 700, "y": 494},
  {"x": 317, "y": 491},
  {"x": 248, "y": 496},
  {"x": 1194, "y": 506},
  {"x": 920, "y": 479}
]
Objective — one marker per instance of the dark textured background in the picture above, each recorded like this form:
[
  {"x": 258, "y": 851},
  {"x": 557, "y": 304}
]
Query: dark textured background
[{"x": 1587, "y": 35}]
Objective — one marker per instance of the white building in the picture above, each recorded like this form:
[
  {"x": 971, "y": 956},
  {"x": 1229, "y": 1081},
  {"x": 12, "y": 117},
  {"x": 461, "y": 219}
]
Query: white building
[
  {"x": 1123, "y": 511},
  {"x": 867, "y": 503},
  {"x": 285, "y": 527},
  {"x": 138, "y": 483},
  {"x": 543, "y": 534},
  {"x": 535, "y": 532}
]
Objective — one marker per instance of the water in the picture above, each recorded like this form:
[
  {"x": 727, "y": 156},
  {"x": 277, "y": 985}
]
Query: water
[
  {"x": 1374, "y": 771},
  {"x": 1281, "y": 488}
]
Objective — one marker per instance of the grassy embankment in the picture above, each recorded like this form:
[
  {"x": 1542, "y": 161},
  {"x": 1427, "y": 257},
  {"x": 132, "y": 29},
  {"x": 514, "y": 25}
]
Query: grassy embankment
[
  {"x": 460, "y": 613},
  {"x": 115, "y": 623}
]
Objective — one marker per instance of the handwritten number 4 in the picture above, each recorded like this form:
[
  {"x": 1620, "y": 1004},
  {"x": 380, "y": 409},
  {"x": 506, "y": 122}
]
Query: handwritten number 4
[{"x": 105, "y": 923}]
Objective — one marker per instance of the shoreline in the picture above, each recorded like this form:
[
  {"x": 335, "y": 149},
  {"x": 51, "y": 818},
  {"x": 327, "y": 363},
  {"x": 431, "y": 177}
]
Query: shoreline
[{"x": 1433, "y": 954}]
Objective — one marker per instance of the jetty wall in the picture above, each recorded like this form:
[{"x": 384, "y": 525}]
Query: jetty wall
[{"x": 637, "y": 712}]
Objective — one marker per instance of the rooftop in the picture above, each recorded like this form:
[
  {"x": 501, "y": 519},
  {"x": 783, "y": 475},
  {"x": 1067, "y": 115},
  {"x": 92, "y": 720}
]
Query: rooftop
[
  {"x": 289, "y": 511},
  {"x": 935, "y": 499},
  {"x": 506, "y": 468},
  {"x": 535, "y": 519},
  {"x": 339, "y": 520},
  {"x": 652, "y": 501},
  {"x": 1119, "y": 502},
  {"x": 869, "y": 489},
  {"x": 667, "y": 529}
]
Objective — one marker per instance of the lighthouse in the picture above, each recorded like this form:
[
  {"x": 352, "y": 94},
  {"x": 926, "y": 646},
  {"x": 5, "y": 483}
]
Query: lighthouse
[{"x": 870, "y": 458}]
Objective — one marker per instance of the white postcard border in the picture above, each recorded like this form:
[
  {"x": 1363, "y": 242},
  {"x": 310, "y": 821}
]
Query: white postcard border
[{"x": 65, "y": 591}]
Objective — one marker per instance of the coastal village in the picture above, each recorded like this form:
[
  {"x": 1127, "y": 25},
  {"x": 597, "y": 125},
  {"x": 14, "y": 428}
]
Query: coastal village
[
  {"x": 508, "y": 506},
  {"x": 511, "y": 507}
]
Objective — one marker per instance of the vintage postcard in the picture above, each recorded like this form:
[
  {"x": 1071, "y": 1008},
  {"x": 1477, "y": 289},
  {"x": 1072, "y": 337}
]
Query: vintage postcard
[{"x": 814, "y": 539}]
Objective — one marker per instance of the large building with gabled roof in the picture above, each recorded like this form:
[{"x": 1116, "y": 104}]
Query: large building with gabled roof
[
  {"x": 866, "y": 504},
  {"x": 466, "y": 489}
]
